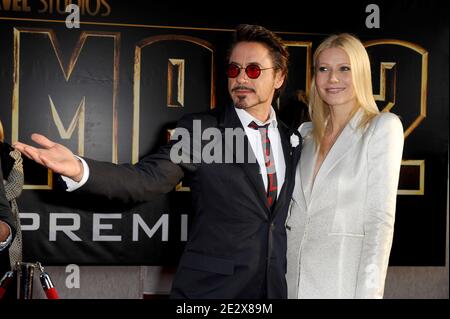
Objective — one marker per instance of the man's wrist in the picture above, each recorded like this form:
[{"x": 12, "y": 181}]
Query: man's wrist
[
  {"x": 77, "y": 178},
  {"x": 71, "y": 183}
]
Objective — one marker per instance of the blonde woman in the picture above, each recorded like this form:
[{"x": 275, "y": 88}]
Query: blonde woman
[
  {"x": 11, "y": 162},
  {"x": 341, "y": 220}
]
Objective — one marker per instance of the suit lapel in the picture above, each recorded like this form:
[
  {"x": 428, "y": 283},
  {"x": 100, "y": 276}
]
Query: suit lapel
[
  {"x": 307, "y": 162},
  {"x": 349, "y": 136},
  {"x": 231, "y": 120},
  {"x": 288, "y": 152}
]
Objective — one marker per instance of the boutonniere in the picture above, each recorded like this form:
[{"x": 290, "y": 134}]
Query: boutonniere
[{"x": 295, "y": 140}]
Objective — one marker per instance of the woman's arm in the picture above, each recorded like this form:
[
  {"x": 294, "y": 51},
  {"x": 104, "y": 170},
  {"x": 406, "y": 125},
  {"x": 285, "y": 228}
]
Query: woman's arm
[{"x": 384, "y": 160}]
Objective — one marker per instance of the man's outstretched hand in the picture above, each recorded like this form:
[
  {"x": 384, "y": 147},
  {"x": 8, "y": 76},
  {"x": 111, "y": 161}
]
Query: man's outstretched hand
[{"x": 52, "y": 155}]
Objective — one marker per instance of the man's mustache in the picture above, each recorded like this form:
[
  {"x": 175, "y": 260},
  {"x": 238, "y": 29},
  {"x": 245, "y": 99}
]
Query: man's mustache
[{"x": 242, "y": 87}]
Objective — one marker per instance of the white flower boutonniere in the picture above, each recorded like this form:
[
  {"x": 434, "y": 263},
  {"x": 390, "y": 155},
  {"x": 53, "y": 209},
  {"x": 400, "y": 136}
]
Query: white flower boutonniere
[{"x": 295, "y": 140}]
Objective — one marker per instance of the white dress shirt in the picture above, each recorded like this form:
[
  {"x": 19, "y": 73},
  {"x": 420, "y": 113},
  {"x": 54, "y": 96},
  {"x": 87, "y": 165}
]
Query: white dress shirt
[{"x": 254, "y": 137}]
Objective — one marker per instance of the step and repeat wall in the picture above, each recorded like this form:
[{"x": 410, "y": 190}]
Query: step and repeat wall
[{"x": 113, "y": 88}]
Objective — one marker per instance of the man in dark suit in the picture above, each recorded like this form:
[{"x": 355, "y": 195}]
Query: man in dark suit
[{"x": 237, "y": 241}]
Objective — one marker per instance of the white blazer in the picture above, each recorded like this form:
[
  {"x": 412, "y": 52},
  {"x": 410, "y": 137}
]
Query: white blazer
[{"x": 340, "y": 229}]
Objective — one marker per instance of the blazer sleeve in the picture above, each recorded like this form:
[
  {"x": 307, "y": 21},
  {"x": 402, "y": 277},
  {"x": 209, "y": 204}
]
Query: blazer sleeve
[
  {"x": 5, "y": 209},
  {"x": 153, "y": 175},
  {"x": 15, "y": 180},
  {"x": 385, "y": 151}
]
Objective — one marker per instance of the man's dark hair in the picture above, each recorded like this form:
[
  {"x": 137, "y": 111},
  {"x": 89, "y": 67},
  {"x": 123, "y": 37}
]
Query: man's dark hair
[{"x": 256, "y": 33}]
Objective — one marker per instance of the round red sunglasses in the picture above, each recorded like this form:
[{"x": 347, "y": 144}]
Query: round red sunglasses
[{"x": 253, "y": 71}]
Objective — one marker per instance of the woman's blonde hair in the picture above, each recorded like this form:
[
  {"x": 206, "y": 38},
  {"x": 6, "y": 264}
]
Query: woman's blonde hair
[
  {"x": 2, "y": 136},
  {"x": 362, "y": 82}
]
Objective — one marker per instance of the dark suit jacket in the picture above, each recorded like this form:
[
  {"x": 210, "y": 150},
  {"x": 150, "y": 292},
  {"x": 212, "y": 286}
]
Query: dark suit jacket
[{"x": 236, "y": 246}]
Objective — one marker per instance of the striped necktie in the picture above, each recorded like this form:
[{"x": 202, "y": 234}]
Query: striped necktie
[{"x": 272, "y": 187}]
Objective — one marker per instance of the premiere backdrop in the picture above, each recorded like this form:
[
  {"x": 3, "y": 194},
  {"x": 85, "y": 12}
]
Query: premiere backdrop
[{"x": 112, "y": 89}]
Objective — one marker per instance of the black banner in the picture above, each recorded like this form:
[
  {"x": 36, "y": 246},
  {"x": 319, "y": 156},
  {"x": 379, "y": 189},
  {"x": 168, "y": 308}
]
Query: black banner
[{"x": 112, "y": 88}]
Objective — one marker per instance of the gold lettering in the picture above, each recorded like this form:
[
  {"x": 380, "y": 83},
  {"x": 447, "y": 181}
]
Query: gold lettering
[
  {"x": 382, "y": 96},
  {"x": 420, "y": 176},
  {"x": 97, "y": 8},
  {"x": 308, "y": 46},
  {"x": 6, "y": 5},
  {"x": 16, "y": 5},
  {"x": 26, "y": 7},
  {"x": 108, "y": 8},
  {"x": 58, "y": 6},
  {"x": 67, "y": 71},
  {"x": 137, "y": 80},
  {"x": 91, "y": 7},
  {"x": 82, "y": 5},
  {"x": 78, "y": 117},
  {"x": 44, "y": 6},
  {"x": 424, "y": 77},
  {"x": 175, "y": 83},
  {"x": 406, "y": 173}
]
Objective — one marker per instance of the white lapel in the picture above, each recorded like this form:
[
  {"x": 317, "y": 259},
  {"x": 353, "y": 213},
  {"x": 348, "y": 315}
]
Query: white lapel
[
  {"x": 349, "y": 136},
  {"x": 307, "y": 161},
  {"x": 303, "y": 175}
]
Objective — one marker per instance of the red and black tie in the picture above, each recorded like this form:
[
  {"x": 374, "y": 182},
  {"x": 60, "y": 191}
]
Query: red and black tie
[{"x": 272, "y": 188}]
